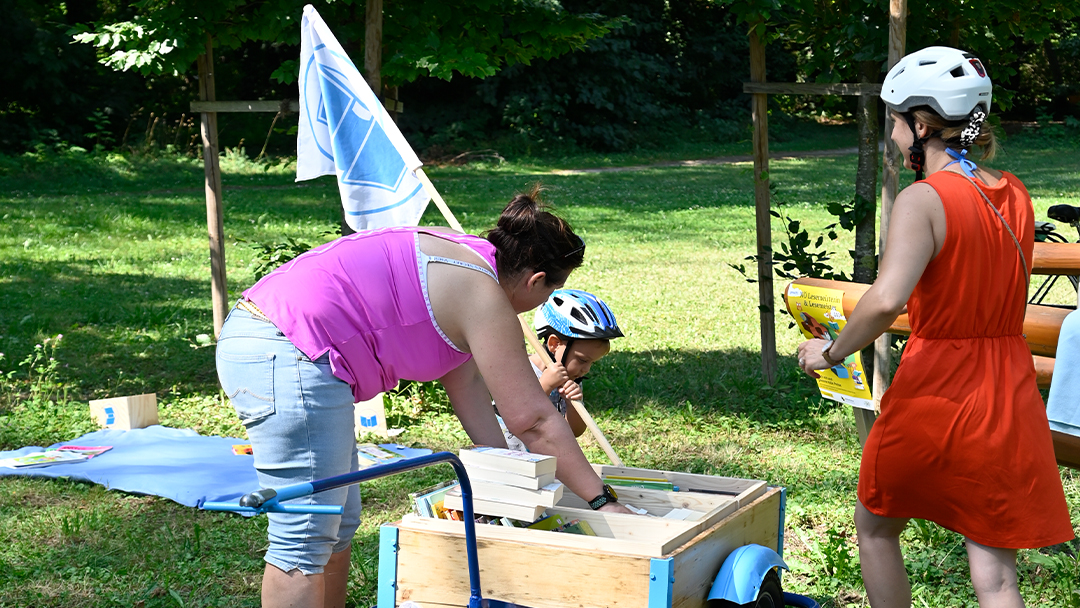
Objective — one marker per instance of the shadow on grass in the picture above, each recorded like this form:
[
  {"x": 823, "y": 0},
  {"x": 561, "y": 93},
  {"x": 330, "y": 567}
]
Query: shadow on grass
[
  {"x": 123, "y": 333},
  {"x": 705, "y": 383},
  {"x": 79, "y": 545}
]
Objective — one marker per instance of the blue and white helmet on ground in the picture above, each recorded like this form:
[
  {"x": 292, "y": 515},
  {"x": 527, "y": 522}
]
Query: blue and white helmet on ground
[{"x": 576, "y": 314}]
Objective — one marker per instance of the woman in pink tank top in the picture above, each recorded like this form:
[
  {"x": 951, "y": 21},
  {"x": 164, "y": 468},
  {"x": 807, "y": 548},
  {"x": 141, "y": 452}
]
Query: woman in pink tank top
[{"x": 351, "y": 318}]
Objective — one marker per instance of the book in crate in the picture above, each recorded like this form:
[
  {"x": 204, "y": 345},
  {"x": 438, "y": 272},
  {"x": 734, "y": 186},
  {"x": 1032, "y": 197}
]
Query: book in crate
[
  {"x": 453, "y": 500},
  {"x": 481, "y": 474},
  {"x": 509, "y": 461},
  {"x": 546, "y": 496},
  {"x": 429, "y": 501}
]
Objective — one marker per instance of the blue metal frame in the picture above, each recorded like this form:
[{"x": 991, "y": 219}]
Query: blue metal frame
[
  {"x": 386, "y": 592},
  {"x": 783, "y": 518},
  {"x": 661, "y": 582},
  {"x": 268, "y": 500}
]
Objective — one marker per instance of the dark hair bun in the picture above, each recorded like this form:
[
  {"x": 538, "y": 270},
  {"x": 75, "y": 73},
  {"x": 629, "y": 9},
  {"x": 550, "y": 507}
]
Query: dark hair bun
[{"x": 528, "y": 236}]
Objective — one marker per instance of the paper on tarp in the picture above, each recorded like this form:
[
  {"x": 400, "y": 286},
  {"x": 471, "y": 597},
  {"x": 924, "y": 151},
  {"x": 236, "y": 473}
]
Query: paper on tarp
[{"x": 345, "y": 131}]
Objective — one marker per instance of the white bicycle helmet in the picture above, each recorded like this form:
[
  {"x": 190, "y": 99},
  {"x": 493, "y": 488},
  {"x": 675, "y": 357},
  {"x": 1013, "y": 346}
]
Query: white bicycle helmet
[
  {"x": 576, "y": 315},
  {"x": 951, "y": 82},
  {"x": 948, "y": 80}
]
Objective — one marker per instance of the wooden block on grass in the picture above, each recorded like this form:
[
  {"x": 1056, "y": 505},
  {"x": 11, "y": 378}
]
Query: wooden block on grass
[
  {"x": 131, "y": 412},
  {"x": 370, "y": 416}
]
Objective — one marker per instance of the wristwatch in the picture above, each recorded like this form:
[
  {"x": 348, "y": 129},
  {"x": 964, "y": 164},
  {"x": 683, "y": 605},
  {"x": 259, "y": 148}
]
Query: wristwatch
[
  {"x": 825, "y": 355},
  {"x": 608, "y": 496}
]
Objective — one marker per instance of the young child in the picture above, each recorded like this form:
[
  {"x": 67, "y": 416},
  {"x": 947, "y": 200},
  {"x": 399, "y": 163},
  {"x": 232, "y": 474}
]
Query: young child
[{"x": 576, "y": 329}]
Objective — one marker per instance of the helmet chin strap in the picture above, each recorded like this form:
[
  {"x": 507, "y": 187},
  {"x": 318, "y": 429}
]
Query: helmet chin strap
[{"x": 917, "y": 155}]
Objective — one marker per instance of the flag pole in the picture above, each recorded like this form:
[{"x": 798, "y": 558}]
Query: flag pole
[
  {"x": 439, "y": 202},
  {"x": 579, "y": 407}
]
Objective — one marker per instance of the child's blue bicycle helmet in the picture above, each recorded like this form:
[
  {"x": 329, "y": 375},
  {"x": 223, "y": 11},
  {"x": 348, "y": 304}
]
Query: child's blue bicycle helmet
[{"x": 573, "y": 314}]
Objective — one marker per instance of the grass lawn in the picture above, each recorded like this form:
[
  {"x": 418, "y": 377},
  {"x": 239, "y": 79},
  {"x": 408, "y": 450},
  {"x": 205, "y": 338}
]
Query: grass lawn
[{"x": 111, "y": 253}]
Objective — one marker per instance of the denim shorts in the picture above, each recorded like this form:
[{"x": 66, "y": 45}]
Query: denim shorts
[{"x": 299, "y": 418}]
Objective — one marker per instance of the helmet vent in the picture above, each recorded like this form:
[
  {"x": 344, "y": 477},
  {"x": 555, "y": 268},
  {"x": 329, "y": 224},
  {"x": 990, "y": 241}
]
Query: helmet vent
[
  {"x": 957, "y": 72},
  {"x": 927, "y": 62},
  {"x": 580, "y": 318}
]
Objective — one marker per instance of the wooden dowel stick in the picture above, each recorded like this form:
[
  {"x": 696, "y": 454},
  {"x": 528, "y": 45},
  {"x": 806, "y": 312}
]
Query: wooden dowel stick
[
  {"x": 579, "y": 407},
  {"x": 439, "y": 202},
  {"x": 530, "y": 335}
]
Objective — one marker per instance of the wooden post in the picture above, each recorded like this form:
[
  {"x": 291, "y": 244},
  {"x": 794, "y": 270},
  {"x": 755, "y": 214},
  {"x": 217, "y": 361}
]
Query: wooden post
[
  {"x": 372, "y": 67},
  {"x": 865, "y": 269},
  {"x": 762, "y": 208},
  {"x": 373, "y": 46},
  {"x": 215, "y": 221},
  {"x": 890, "y": 180}
]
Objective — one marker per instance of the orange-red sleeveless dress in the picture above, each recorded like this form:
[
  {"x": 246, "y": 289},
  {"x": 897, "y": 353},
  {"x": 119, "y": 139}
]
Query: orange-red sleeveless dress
[{"x": 963, "y": 438}]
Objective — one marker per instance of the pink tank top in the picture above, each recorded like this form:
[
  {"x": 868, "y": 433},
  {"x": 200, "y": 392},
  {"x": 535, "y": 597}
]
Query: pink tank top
[{"x": 363, "y": 298}]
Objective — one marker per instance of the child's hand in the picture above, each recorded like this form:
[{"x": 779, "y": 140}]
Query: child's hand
[
  {"x": 554, "y": 377},
  {"x": 571, "y": 391}
]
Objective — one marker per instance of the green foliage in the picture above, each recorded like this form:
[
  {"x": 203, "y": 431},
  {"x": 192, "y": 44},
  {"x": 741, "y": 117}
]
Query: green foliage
[
  {"x": 476, "y": 39},
  {"x": 797, "y": 257},
  {"x": 838, "y": 559},
  {"x": 269, "y": 256},
  {"x": 1057, "y": 572},
  {"x": 670, "y": 71},
  {"x": 35, "y": 406},
  {"x": 424, "y": 37}
]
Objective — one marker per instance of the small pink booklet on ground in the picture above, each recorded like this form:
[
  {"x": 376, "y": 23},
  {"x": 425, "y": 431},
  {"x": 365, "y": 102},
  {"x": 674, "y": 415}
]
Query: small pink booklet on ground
[{"x": 88, "y": 451}]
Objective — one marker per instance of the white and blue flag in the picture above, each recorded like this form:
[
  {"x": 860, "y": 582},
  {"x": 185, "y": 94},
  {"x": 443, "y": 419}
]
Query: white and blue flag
[{"x": 345, "y": 131}]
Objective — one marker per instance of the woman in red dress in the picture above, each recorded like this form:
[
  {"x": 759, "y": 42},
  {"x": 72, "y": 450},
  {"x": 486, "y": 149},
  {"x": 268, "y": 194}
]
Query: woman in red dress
[{"x": 963, "y": 438}]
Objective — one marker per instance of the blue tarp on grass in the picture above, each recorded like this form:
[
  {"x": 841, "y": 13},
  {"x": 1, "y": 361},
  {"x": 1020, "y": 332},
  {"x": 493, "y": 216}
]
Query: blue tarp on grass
[{"x": 178, "y": 464}]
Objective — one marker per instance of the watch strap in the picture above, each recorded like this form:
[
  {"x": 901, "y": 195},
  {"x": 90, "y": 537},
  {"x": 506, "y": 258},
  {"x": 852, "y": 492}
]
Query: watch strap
[
  {"x": 828, "y": 359},
  {"x": 604, "y": 498}
]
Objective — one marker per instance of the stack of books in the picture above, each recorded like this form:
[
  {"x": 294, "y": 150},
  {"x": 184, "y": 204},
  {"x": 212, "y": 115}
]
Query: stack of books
[{"x": 508, "y": 483}]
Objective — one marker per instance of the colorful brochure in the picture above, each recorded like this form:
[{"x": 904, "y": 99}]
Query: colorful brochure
[{"x": 819, "y": 313}]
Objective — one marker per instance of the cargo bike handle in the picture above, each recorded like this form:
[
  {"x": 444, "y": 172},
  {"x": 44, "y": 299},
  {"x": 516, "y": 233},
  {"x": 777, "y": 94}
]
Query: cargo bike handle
[{"x": 269, "y": 500}]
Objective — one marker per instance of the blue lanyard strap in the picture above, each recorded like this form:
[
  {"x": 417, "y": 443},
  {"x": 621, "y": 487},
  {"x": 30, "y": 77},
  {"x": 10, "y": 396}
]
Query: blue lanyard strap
[{"x": 966, "y": 165}]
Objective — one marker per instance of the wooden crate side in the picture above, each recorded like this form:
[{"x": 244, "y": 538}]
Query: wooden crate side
[
  {"x": 553, "y": 540},
  {"x": 699, "y": 560},
  {"x": 431, "y": 570},
  {"x": 752, "y": 493},
  {"x": 656, "y": 532},
  {"x": 665, "y": 539},
  {"x": 656, "y": 502},
  {"x": 713, "y": 508},
  {"x": 733, "y": 486}
]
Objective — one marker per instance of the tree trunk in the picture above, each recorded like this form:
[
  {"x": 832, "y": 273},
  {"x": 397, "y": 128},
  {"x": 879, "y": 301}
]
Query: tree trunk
[{"x": 865, "y": 270}]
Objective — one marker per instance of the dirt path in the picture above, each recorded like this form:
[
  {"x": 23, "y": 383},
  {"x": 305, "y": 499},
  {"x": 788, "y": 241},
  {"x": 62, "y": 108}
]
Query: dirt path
[{"x": 720, "y": 160}]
